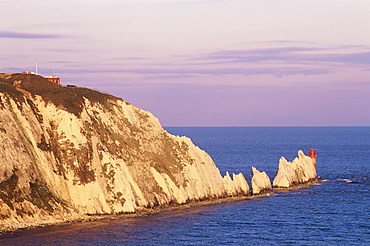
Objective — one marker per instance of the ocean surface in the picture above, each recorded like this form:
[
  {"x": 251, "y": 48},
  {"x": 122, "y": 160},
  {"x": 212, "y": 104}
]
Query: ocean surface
[{"x": 334, "y": 212}]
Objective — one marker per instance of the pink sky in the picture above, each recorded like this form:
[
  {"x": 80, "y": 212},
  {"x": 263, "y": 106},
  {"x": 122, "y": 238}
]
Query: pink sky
[{"x": 204, "y": 62}]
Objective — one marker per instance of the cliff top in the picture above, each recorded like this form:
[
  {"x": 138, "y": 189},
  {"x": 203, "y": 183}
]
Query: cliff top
[{"x": 71, "y": 98}]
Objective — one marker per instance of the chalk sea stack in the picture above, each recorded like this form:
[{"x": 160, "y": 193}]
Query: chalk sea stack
[
  {"x": 261, "y": 183},
  {"x": 69, "y": 152},
  {"x": 298, "y": 172}
]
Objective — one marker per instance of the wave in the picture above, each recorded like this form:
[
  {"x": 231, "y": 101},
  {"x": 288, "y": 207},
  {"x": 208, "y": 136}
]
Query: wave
[{"x": 350, "y": 181}]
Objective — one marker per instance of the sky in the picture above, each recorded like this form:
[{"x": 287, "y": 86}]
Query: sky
[{"x": 203, "y": 62}]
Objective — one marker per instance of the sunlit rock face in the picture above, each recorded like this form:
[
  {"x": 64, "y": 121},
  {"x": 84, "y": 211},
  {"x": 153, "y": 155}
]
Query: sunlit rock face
[
  {"x": 290, "y": 174},
  {"x": 70, "y": 151},
  {"x": 261, "y": 183}
]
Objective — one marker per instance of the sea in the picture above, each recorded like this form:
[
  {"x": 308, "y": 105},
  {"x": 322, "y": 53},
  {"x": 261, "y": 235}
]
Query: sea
[{"x": 333, "y": 212}]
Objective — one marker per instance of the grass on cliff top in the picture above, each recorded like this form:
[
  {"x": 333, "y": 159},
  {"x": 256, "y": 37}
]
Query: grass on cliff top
[{"x": 70, "y": 98}]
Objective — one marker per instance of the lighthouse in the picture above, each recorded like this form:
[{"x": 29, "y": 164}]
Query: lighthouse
[{"x": 312, "y": 154}]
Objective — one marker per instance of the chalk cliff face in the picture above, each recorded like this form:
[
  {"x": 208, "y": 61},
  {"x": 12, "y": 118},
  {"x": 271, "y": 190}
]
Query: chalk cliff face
[
  {"x": 300, "y": 171},
  {"x": 261, "y": 183},
  {"x": 68, "y": 151}
]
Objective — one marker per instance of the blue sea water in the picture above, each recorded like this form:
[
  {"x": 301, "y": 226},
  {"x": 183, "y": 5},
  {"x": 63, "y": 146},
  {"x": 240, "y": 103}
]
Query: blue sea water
[{"x": 334, "y": 212}]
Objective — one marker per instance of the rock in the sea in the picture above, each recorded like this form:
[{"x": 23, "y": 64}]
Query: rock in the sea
[
  {"x": 68, "y": 151},
  {"x": 261, "y": 183},
  {"x": 290, "y": 174}
]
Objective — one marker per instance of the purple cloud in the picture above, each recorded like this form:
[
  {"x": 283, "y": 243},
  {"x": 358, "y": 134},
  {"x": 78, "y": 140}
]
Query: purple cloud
[
  {"x": 23, "y": 35},
  {"x": 257, "y": 55},
  {"x": 186, "y": 72},
  {"x": 357, "y": 57},
  {"x": 290, "y": 54},
  {"x": 58, "y": 50}
]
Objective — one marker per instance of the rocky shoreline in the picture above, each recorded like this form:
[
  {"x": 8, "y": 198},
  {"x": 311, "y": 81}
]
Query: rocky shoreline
[{"x": 86, "y": 218}]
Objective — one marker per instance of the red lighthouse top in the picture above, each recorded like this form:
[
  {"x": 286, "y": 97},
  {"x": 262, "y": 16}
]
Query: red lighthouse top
[{"x": 312, "y": 153}]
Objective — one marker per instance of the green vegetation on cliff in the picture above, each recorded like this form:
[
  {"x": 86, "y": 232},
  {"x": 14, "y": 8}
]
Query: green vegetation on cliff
[{"x": 70, "y": 98}]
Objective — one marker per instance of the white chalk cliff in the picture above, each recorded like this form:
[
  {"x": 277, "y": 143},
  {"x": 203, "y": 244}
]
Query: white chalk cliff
[
  {"x": 300, "y": 171},
  {"x": 66, "y": 152},
  {"x": 261, "y": 183}
]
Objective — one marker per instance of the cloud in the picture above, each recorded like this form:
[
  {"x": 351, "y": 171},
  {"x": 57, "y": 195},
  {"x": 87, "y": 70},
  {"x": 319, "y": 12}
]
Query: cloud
[
  {"x": 289, "y": 54},
  {"x": 190, "y": 72},
  {"x": 129, "y": 58},
  {"x": 289, "y": 59},
  {"x": 23, "y": 35},
  {"x": 169, "y": 77},
  {"x": 255, "y": 55},
  {"x": 356, "y": 57},
  {"x": 58, "y": 50}
]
